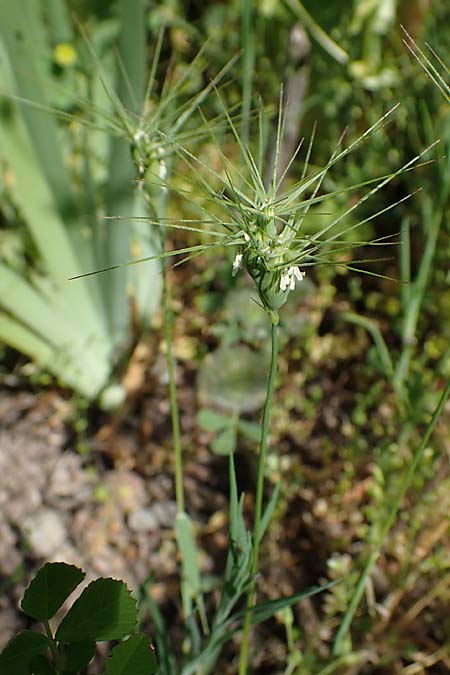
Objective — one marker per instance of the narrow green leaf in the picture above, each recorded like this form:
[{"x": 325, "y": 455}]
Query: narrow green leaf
[
  {"x": 265, "y": 610},
  {"x": 49, "y": 589},
  {"x": 190, "y": 573},
  {"x": 37, "y": 205},
  {"x": 375, "y": 333},
  {"x": 18, "y": 654},
  {"x": 238, "y": 532},
  {"x": 189, "y": 554},
  {"x": 165, "y": 653},
  {"x": 233, "y": 499},
  {"x": 29, "y": 54},
  {"x": 135, "y": 656},
  {"x": 46, "y": 328},
  {"x": 24, "y": 340},
  {"x": 268, "y": 512},
  {"x": 120, "y": 193},
  {"x": 104, "y": 611}
]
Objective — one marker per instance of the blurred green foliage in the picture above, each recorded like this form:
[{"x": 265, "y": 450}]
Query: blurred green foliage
[
  {"x": 60, "y": 179},
  {"x": 364, "y": 357}
]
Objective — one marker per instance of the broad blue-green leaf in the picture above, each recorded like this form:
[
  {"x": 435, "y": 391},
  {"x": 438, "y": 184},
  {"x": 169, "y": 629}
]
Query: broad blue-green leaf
[
  {"x": 51, "y": 586},
  {"x": 250, "y": 430},
  {"x": 249, "y": 318},
  {"x": 225, "y": 443},
  {"x": 234, "y": 379},
  {"x": 209, "y": 420},
  {"x": 104, "y": 611},
  {"x": 135, "y": 656},
  {"x": 18, "y": 654}
]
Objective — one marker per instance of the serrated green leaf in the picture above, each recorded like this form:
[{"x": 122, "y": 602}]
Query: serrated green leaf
[
  {"x": 225, "y": 443},
  {"x": 49, "y": 589},
  {"x": 104, "y": 611},
  {"x": 134, "y": 656},
  {"x": 78, "y": 654},
  {"x": 18, "y": 654},
  {"x": 209, "y": 420}
]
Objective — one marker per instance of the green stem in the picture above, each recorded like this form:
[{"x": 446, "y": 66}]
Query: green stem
[
  {"x": 53, "y": 648},
  {"x": 357, "y": 595},
  {"x": 174, "y": 411},
  {"x": 324, "y": 40},
  {"x": 259, "y": 502},
  {"x": 415, "y": 298},
  {"x": 248, "y": 64},
  {"x": 168, "y": 320}
]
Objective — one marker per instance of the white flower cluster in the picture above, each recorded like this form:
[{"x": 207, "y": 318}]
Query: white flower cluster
[
  {"x": 287, "y": 281},
  {"x": 237, "y": 264},
  {"x": 141, "y": 135}
]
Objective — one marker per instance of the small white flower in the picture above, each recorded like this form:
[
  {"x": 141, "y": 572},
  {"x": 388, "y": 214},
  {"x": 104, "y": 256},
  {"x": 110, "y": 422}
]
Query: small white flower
[
  {"x": 163, "y": 169},
  {"x": 237, "y": 264},
  {"x": 287, "y": 280},
  {"x": 139, "y": 134},
  {"x": 245, "y": 235}
]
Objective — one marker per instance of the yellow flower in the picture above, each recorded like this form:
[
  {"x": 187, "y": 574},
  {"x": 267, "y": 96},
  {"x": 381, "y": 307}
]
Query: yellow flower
[{"x": 64, "y": 54}]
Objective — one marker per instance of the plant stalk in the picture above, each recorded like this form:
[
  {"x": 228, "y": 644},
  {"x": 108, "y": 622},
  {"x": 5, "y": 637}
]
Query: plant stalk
[
  {"x": 243, "y": 660},
  {"x": 53, "y": 648},
  {"x": 168, "y": 320},
  {"x": 415, "y": 299},
  {"x": 248, "y": 64},
  {"x": 174, "y": 411},
  {"x": 417, "y": 456}
]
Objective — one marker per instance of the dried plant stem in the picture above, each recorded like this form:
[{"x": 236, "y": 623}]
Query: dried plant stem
[
  {"x": 360, "y": 587},
  {"x": 259, "y": 501}
]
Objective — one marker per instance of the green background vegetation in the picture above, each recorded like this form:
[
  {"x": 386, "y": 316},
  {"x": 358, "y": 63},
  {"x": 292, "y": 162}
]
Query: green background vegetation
[{"x": 364, "y": 357}]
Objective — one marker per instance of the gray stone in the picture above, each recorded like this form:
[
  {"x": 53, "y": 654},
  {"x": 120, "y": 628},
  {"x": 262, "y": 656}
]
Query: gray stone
[
  {"x": 45, "y": 532},
  {"x": 143, "y": 520}
]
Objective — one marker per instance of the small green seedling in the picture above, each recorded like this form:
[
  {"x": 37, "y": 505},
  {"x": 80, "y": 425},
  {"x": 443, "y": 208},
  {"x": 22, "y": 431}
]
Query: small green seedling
[
  {"x": 227, "y": 428},
  {"x": 104, "y": 611}
]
